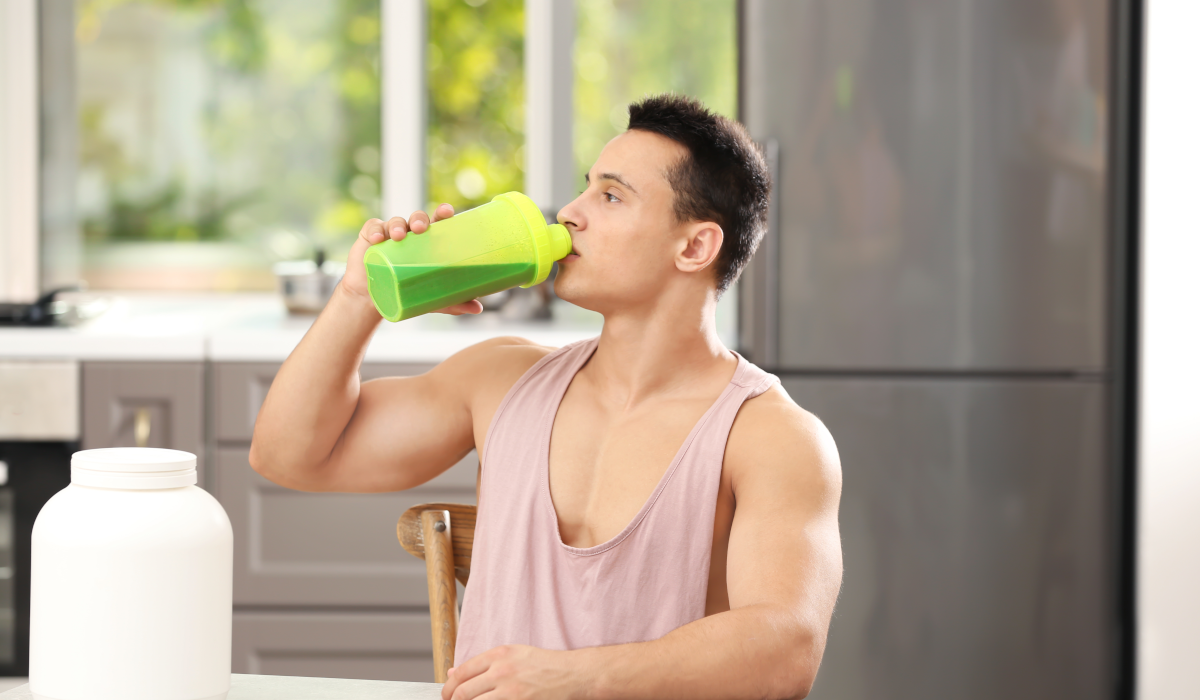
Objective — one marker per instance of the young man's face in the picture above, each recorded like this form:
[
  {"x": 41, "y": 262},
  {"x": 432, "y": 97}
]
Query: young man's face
[{"x": 623, "y": 228}]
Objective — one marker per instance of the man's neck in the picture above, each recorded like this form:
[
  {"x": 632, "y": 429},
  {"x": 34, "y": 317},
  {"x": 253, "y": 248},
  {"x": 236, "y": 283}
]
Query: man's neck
[{"x": 658, "y": 349}]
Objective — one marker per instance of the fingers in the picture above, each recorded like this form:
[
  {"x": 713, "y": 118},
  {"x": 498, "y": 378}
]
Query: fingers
[
  {"x": 396, "y": 228},
  {"x": 471, "y": 688},
  {"x": 467, "y": 307},
  {"x": 419, "y": 221},
  {"x": 372, "y": 231},
  {"x": 468, "y": 679}
]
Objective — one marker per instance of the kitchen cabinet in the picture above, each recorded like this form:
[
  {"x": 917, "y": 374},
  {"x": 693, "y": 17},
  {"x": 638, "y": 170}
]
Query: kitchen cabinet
[
  {"x": 241, "y": 387},
  {"x": 321, "y": 586},
  {"x": 308, "y": 566},
  {"x": 145, "y": 404},
  {"x": 387, "y": 646},
  {"x": 300, "y": 548}
]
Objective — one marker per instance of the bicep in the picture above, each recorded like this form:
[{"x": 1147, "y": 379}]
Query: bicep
[
  {"x": 784, "y": 544},
  {"x": 405, "y": 431}
]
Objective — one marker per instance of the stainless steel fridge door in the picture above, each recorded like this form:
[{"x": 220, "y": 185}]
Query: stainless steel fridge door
[
  {"x": 941, "y": 179},
  {"x": 975, "y": 532}
]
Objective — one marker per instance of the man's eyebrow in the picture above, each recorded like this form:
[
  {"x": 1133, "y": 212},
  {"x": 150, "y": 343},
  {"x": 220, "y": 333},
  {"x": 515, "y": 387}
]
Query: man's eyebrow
[{"x": 615, "y": 177}]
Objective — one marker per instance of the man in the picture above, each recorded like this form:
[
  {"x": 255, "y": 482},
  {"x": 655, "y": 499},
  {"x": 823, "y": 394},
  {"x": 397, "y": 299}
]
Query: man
[{"x": 657, "y": 519}]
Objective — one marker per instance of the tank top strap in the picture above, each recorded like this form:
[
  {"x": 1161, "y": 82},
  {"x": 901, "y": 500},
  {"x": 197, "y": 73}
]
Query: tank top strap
[
  {"x": 748, "y": 381},
  {"x": 702, "y": 459},
  {"x": 752, "y": 378},
  {"x": 690, "y": 485},
  {"x": 549, "y": 377}
]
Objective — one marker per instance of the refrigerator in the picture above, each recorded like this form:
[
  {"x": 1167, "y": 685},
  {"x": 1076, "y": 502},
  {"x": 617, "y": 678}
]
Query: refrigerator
[{"x": 946, "y": 283}]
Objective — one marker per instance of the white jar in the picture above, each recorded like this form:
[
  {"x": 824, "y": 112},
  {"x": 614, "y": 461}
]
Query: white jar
[{"x": 132, "y": 582}]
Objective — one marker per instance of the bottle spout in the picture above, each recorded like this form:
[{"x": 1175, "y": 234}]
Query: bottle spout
[{"x": 560, "y": 241}]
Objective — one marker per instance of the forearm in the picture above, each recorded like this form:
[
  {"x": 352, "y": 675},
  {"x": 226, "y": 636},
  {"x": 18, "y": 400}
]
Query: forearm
[
  {"x": 314, "y": 394},
  {"x": 758, "y": 651}
]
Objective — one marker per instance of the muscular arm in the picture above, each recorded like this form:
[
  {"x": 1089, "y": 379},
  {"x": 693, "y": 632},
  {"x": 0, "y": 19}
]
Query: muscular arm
[
  {"x": 319, "y": 429},
  {"x": 784, "y": 573}
]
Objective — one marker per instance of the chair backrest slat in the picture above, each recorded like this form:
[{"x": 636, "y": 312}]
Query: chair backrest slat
[
  {"x": 412, "y": 529},
  {"x": 462, "y": 534}
]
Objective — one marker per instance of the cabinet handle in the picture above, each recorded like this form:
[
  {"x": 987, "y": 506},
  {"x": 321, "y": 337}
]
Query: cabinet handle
[{"x": 141, "y": 427}]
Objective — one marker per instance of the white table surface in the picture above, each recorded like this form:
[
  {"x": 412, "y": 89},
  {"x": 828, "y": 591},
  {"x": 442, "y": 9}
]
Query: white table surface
[{"x": 245, "y": 687}]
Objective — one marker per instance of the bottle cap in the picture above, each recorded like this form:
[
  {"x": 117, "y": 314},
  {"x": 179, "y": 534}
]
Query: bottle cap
[
  {"x": 133, "y": 468},
  {"x": 551, "y": 242}
]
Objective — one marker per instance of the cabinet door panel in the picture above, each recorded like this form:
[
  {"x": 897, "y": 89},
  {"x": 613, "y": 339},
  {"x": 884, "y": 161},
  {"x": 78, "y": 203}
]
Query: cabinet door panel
[
  {"x": 299, "y": 548},
  {"x": 979, "y": 559},
  {"x": 373, "y": 646},
  {"x": 241, "y": 388},
  {"x": 154, "y": 404}
]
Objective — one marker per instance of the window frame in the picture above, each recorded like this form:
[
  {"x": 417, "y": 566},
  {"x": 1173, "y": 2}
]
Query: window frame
[{"x": 19, "y": 154}]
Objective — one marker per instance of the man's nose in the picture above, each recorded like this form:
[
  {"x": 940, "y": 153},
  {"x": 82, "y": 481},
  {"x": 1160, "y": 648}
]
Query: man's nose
[{"x": 572, "y": 215}]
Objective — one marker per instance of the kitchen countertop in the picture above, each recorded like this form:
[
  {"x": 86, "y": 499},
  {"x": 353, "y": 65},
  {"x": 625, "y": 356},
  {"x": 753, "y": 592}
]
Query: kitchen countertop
[
  {"x": 257, "y": 328},
  {"x": 245, "y": 687}
]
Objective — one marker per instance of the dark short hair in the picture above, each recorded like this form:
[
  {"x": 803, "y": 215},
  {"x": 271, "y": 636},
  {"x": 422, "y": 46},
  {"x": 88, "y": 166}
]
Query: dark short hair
[{"x": 723, "y": 178}]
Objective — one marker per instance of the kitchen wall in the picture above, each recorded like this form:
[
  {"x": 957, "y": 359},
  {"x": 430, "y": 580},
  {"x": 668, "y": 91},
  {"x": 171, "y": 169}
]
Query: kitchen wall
[{"x": 1169, "y": 500}]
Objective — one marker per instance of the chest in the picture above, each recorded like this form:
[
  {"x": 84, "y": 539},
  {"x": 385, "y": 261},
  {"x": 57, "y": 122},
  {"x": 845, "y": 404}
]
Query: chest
[{"x": 606, "y": 462}]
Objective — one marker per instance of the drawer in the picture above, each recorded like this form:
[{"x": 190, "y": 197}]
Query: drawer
[
  {"x": 145, "y": 404},
  {"x": 370, "y": 645},
  {"x": 241, "y": 387},
  {"x": 301, "y": 548}
]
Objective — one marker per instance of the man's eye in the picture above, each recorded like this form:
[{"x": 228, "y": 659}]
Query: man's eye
[{"x": 611, "y": 197}]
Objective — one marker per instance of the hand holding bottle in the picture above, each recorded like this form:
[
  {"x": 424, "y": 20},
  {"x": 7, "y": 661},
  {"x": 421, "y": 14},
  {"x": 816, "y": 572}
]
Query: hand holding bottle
[
  {"x": 396, "y": 228},
  {"x": 499, "y": 245}
]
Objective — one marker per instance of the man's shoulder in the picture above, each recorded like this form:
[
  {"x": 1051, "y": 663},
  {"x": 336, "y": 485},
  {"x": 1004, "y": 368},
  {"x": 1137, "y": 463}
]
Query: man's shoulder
[
  {"x": 774, "y": 412},
  {"x": 509, "y": 348},
  {"x": 772, "y": 433},
  {"x": 494, "y": 364}
]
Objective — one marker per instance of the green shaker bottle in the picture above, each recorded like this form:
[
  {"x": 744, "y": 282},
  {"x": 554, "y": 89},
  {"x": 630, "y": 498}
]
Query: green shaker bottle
[{"x": 493, "y": 247}]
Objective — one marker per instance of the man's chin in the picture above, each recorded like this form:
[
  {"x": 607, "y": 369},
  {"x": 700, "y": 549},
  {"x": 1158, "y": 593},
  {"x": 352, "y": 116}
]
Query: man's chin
[{"x": 569, "y": 291}]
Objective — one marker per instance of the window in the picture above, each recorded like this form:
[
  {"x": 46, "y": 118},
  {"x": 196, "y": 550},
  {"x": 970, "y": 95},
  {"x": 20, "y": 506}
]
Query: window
[
  {"x": 628, "y": 49},
  {"x": 216, "y": 137},
  {"x": 476, "y": 93}
]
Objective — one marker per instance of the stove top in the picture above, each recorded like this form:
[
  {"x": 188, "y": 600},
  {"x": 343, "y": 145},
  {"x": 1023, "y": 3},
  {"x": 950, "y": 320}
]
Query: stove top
[{"x": 46, "y": 311}]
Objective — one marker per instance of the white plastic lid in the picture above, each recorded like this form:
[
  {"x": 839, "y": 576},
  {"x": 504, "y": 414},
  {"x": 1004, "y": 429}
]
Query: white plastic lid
[{"x": 133, "y": 468}]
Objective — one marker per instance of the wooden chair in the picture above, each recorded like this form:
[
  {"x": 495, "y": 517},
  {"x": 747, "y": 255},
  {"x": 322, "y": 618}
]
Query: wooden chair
[{"x": 442, "y": 535}]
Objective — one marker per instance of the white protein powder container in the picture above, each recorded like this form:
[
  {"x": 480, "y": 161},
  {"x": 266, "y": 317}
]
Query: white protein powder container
[{"x": 132, "y": 582}]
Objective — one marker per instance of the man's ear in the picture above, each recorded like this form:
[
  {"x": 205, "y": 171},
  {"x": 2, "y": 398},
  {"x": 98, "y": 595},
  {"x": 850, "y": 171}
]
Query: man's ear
[{"x": 700, "y": 246}]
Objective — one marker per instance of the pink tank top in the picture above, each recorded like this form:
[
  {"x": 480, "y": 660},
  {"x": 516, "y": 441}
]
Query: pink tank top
[{"x": 527, "y": 587}]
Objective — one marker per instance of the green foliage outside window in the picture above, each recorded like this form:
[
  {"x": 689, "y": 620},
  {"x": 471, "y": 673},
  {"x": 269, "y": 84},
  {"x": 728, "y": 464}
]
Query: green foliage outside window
[
  {"x": 627, "y": 49},
  {"x": 476, "y": 93},
  {"x": 273, "y": 140}
]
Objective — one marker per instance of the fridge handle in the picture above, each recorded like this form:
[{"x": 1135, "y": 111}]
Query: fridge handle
[{"x": 770, "y": 299}]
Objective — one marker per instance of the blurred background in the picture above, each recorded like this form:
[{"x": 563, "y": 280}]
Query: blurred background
[
  {"x": 209, "y": 139},
  {"x": 977, "y": 274}
]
